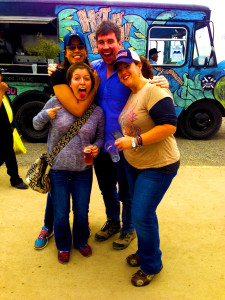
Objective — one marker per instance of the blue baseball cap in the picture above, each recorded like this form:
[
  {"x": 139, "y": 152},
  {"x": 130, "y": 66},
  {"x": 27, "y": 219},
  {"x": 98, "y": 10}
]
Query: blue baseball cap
[
  {"x": 126, "y": 56},
  {"x": 71, "y": 34}
]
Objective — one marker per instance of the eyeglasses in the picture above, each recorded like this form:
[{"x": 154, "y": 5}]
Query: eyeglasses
[{"x": 73, "y": 47}]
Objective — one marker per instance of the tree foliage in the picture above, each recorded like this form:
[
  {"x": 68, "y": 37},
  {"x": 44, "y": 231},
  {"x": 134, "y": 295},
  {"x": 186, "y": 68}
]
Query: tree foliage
[{"x": 44, "y": 48}]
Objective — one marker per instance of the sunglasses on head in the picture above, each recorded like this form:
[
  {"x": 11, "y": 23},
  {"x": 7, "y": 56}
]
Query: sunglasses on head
[{"x": 73, "y": 47}]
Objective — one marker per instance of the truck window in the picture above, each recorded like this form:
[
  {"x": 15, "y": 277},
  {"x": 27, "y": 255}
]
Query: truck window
[
  {"x": 203, "y": 55},
  {"x": 16, "y": 35},
  {"x": 170, "y": 42}
]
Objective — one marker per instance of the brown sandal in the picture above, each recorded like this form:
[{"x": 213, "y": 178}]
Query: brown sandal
[
  {"x": 141, "y": 279},
  {"x": 134, "y": 260}
]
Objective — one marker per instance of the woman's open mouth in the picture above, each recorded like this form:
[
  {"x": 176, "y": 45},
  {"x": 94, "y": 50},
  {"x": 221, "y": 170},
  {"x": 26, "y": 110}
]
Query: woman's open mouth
[{"x": 82, "y": 92}]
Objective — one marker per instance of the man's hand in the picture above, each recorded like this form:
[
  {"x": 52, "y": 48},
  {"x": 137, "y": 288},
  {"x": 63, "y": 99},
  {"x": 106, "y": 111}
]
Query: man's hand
[
  {"x": 52, "y": 112},
  {"x": 52, "y": 68},
  {"x": 160, "y": 81}
]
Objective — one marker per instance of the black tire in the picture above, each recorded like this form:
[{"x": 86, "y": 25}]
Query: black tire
[
  {"x": 24, "y": 118},
  {"x": 201, "y": 120}
]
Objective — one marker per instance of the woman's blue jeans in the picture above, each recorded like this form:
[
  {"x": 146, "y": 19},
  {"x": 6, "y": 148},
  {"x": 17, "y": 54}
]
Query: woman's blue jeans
[
  {"x": 77, "y": 184},
  {"x": 148, "y": 188},
  {"x": 49, "y": 216}
]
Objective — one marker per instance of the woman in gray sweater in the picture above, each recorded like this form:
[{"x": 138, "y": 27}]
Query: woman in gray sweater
[{"x": 69, "y": 174}]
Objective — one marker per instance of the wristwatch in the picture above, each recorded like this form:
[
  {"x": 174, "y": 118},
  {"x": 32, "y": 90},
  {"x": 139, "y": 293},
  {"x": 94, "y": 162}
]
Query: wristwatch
[{"x": 134, "y": 143}]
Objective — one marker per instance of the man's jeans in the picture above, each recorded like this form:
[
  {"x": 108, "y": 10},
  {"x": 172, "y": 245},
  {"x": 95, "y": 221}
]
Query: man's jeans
[
  {"x": 78, "y": 184},
  {"x": 109, "y": 174},
  {"x": 148, "y": 188}
]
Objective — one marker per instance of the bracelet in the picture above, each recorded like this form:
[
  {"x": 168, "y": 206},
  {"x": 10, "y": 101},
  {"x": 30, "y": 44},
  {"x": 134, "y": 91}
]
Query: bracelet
[{"x": 139, "y": 140}]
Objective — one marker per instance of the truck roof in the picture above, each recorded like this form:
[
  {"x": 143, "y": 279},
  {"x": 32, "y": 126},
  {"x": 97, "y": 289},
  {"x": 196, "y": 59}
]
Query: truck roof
[
  {"x": 116, "y": 3},
  {"x": 31, "y": 7}
]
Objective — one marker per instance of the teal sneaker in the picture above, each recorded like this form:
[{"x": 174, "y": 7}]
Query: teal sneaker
[{"x": 42, "y": 240}]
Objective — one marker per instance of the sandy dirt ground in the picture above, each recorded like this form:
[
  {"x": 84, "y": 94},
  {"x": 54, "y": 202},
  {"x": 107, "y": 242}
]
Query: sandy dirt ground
[{"x": 191, "y": 222}]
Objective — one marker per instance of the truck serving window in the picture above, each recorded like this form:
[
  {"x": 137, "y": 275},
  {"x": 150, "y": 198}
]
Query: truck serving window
[
  {"x": 203, "y": 55},
  {"x": 19, "y": 33},
  {"x": 171, "y": 44}
]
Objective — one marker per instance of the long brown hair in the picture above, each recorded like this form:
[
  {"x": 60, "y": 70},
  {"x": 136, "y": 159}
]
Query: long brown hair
[{"x": 146, "y": 70}]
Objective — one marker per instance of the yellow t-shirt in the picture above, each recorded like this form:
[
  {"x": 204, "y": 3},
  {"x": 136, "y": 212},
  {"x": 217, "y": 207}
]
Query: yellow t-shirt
[{"x": 135, "y": 120}]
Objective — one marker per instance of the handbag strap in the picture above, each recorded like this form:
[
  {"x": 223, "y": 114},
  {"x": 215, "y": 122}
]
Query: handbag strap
[{"x": 74, "y": 128}]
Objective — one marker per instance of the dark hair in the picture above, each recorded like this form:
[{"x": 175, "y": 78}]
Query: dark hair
[
  {"x": 65, "y": 63},
  {"x": 146, "y": 67},
  {"x": 106, "y": 27},
  {"x": 79, "y": 65}
]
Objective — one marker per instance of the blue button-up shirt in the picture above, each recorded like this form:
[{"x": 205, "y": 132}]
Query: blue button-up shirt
[{"x": 112, "y": 96}]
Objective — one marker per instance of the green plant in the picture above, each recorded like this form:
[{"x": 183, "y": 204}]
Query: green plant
[{"x": 44, "y": 48}]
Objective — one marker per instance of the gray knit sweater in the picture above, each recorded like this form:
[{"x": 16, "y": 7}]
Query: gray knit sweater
[{"x": 71, "y": 157}]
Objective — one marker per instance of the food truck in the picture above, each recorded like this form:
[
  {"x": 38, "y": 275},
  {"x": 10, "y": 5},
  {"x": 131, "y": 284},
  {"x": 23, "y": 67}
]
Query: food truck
[{"x": 182, "y": 35}]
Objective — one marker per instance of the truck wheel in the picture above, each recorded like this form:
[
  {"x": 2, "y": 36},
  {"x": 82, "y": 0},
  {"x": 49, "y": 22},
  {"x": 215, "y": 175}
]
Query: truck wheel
[
  {"x": 24, "y": 118},
  {"x": 201, "y": 120}
]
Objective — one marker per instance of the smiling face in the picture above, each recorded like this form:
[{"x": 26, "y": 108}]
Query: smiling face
[
  {"x": 129, "y": 74},
  {"x": 108, "y": 47},
  {"x": 76, "y": 51},
  {"x": 81, "y": 83}
]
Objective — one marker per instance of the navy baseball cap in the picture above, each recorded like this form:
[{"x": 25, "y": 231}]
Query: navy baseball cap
[
  {"x": 71, "y": 34},
  {"x": 126, "y": 56}
]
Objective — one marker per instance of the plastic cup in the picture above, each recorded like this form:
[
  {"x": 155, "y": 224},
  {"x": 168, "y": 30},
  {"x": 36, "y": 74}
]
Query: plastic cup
[
  {"x": 34, "y": 68},
  {"x": 51, "y": 61},
  {"x": 112, "y": 150},
  {"x": 88, "y": 158}
]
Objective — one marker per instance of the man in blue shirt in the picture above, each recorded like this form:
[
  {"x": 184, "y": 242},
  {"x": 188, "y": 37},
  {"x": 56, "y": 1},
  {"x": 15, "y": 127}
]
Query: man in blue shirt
[
  {"x": 153, "y": 56},
  {"x": 112, "y": 96}
]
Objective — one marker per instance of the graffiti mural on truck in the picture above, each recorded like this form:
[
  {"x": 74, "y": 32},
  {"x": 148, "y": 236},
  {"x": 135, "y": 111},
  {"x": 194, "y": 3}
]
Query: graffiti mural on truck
[
  {"x": 133, "y": 35},
  {"x": 133, "y": 27}
]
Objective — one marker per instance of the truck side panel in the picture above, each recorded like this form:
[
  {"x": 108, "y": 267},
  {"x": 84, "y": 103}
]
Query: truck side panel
[{"x": 194, "y": 78}]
